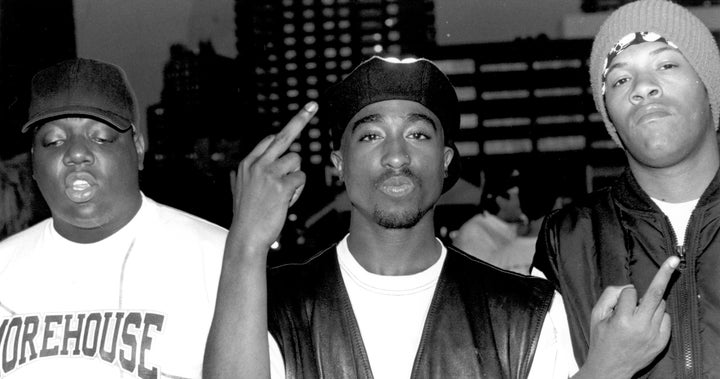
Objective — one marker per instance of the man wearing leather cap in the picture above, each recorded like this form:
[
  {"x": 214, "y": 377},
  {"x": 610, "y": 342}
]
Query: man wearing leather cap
[
  {"x": 114, "y": 284},
  {"x": 389, "y": 300}
]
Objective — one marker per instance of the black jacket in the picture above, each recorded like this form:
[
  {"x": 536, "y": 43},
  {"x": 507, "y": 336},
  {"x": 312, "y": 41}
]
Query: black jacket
[
  {"x": 482, "y": 322},
  {"x": 619, "y": 236}
]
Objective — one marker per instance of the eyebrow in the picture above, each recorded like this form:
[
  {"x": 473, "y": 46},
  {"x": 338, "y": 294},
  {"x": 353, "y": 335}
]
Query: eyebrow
[
  {"x": 366, "y": 120},
  {"x": 421, "y": 116},
  {"x": 375, "y": 117},
  {"x": 652, "y": 53}
]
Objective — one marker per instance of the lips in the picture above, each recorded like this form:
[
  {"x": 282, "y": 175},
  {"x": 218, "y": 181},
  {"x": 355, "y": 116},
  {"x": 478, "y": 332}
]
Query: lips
[
  {"x": 397, "y": 186},
  {"x": 650, "y": 113},
  {"x": 80, "y": 187}
]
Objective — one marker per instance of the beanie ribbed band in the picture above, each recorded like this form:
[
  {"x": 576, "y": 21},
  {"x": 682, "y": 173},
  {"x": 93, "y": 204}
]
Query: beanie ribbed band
[{"x": 674, "y": 23}]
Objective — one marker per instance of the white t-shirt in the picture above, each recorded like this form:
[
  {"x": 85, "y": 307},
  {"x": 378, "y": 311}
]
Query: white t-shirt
[
  {"x": 391, "y": 311},
  {"x": 679, "y": 215},
  {"x": 136, "y": 304}
]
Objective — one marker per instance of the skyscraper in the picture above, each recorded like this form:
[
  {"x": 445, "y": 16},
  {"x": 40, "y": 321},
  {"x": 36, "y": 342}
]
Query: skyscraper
[{"x": 295, "y": 49}]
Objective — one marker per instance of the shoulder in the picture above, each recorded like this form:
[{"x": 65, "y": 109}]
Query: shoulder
[
  {"x": 476, "y": 272},
  {"x": 182, "y": 224},
  {"x": 322, "y": 260},
  {"x": 22, "y": 242},
  {"x": 578, "y": 216},
  {"x": 309, "y": 280},
  {"x": 512, "y": 300}
]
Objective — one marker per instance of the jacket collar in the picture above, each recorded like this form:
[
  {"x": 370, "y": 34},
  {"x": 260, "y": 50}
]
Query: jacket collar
[{"x": 630, "y": 195}]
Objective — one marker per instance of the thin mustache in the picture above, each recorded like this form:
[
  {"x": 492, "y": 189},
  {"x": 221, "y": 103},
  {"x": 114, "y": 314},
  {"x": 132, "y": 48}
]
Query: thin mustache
[{"x": 401, "y": 172}]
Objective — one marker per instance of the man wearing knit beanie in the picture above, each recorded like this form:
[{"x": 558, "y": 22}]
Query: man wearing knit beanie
[{"x": 655, "y": 72}]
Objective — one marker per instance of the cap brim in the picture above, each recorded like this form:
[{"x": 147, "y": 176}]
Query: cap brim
[{"x": 111, "y": 119}]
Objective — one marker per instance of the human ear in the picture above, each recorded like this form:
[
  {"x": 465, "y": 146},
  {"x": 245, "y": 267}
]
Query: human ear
[
  {"x": 448, "y": 155},
  {"x": 139, "y": 141},
  {"x": 337, "y": 161}
]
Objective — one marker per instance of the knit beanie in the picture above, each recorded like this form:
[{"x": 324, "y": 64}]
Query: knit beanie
[{"x": 672, "y": 22}]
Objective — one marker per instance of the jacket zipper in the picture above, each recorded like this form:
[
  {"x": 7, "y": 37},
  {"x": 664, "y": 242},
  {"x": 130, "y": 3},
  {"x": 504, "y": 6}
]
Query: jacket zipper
[{"x": 683, "y": 300}]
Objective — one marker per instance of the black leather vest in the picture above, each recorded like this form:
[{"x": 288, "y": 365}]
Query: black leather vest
[{"x": 482, "y": 323}]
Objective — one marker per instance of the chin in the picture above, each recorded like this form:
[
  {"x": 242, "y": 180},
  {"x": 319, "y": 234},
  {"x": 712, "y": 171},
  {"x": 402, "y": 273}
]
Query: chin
[
  {"x": 86, "y": 217},
  {"x": 398, "y": 220}
]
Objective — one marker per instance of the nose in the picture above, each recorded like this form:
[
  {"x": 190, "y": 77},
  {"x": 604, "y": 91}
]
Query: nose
[
  {"x": 646, "y": 87},
  {"x": 396, "y": 153},
  {"x": 78, "y": 153}
]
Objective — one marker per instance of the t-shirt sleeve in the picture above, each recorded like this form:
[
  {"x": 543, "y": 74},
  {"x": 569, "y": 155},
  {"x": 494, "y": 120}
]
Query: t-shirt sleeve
[
  {"x": 277, "y": 364},
  {"x": 554, "y": 355}
]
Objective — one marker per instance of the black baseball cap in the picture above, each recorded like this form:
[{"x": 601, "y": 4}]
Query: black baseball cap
[{"x": 85, "y": 88}]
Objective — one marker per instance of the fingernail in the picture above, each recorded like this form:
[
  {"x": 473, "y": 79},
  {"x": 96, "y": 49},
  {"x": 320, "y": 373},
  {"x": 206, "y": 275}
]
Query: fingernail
[
  {"x": 674, "y": 262},
  {"x": 311, "y": 106}
]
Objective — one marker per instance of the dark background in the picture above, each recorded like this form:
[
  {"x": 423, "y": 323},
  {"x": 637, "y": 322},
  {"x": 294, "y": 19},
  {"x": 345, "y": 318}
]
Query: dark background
[{"x": 525, "y": 101}]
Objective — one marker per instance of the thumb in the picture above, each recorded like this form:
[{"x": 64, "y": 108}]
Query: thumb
[
  {"x": 606, "y": 303},
  {"x": 296, "y": 194}
]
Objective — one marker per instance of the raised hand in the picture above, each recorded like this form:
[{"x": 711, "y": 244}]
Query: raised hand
[
  {"x": 267, "y": 183},
  {"x": 626, "y": 335}
]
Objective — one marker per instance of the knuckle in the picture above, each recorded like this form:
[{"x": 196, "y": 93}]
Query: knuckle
[
  {"x": 244, "y": 164},
  {"x": 653, "y": 294},
  {"x": 255, "y": 168},
  {"x": 293, "y": 158},
  {"x": 596, "y": 313}
]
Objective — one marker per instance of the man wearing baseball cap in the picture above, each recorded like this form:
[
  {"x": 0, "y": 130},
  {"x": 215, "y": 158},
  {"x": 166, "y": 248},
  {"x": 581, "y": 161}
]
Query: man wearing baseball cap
[
  {"x": 655, "y": 71},
  {"x": 113, "y": 285},
  {"x": 389, "y": 300}
]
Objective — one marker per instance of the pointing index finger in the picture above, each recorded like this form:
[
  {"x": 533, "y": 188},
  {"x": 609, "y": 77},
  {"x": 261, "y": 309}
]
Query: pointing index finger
[
  {"x": 293, "y": 128},
  {"x": 654, "y": 294}
]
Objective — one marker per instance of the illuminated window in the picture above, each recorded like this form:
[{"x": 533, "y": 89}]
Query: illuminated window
[{"x": 330, "y": 52}]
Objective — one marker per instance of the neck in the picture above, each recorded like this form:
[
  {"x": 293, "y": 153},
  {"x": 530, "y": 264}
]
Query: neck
[
  {"x": 679, "y": 183},
  {"x": 385, "y": 251}
]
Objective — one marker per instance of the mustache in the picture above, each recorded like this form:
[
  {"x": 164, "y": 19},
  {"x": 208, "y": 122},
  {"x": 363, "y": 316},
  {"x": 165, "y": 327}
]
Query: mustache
[{"x": 405, "y": 171}]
